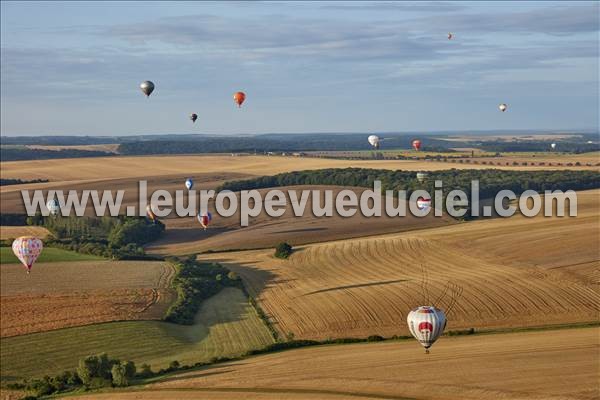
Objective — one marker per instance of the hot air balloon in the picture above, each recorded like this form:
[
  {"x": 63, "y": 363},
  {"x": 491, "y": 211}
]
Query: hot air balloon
[
  {"x": 239, "y": 98},
  {"x": 189, "y": 183},
  {"x": 423, "y": 203},
  {"x": 553, "y": 145},
  {"x": 147, "y": 88},
  {"x": 204, "y": 218},
  {"x": 450, "y": 36},
  {"x": 416, "y": 144},
  {"x": 150, "y": 214},
  {"x": 502, "y": 107},
  {"x": 426, "y": 324},
  {"x": 374, "y": 141},
  {"x": 421, "y": 176},
  {"x": 53, "y": 206},
  {"x": 194, "y": 117},
  {"x": 27, "y": 249}
]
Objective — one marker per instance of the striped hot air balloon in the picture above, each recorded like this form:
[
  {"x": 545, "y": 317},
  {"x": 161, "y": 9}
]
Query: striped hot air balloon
[
  {"x": 426, "y": 324},
  {"x": 423, "y": 203},
  {"x": 27, "y": 249}
]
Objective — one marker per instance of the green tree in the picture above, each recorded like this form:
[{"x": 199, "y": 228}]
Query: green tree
[
  {"x": 283, "y": 250},
  {"x": 119, "y": 375}
]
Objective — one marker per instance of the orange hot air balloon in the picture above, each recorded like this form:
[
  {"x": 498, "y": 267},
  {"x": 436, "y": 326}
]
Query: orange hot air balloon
[
  {"x": 239, "y": 98},
  {"x": 416, "y": 144}
]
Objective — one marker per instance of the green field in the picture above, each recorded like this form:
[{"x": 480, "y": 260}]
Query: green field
[
  {"x": 49, "y": 254},
  {"x": 226, "y": 325}
]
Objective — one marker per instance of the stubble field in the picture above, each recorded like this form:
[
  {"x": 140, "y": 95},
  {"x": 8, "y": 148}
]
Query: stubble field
[{"x": 512, "y": 273}]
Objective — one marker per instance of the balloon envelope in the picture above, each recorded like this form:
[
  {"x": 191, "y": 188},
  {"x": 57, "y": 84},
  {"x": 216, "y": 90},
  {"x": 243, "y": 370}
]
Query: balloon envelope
[
  {"x": 150, "y": 213},
  {"x": 53, "y": 206},
  {"x": 553, "y": 145},
  {"x": 502, "y": 107},
  {"x": 189, "y": 183},
  {"x": 147, "y": 87},
  {"x": 194, "y": 117},
  {"x": 204, "y": 218},
  {"x": 374, "y": 141},
  {"x": 27, "y": 249},
  {"x": 423, "y": 203},
  {"x": 426, "y": 324},
  {"x": 239, "y": 98},
  {"x": 450, "y": 36},
  {"x": 416, "y": 144}
]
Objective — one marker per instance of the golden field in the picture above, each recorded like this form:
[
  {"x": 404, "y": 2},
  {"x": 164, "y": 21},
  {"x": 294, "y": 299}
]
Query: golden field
[
  {"x": 512, "y": 272},
  {"x": 186, "y": 236},
  {"x": 548, "y": 365}
]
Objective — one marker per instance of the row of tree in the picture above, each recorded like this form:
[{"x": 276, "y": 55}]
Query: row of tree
[
  {"x": 491, "y": 181},
  {"x": 111, "y": 237},
  {"x": 195, "y": 282},
  {"x": 25, "y": 153}
]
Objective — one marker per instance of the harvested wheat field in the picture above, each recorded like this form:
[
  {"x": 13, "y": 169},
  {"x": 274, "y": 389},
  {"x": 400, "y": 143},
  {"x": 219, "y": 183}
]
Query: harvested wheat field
[
  {"x": 549, "y": 365},
  {"x": 12, "y": 232},
  {"x": 510, "y": 273},
  {"x": 65, "y": 172},
  {"x": 66, "y": 294},
  {"x": 186, "y": 236}
]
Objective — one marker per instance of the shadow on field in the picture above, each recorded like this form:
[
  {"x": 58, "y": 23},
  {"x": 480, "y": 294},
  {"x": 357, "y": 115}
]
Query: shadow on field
[
  {"x": 202, "y": 373},
  {"x": 358, "y": 285}
]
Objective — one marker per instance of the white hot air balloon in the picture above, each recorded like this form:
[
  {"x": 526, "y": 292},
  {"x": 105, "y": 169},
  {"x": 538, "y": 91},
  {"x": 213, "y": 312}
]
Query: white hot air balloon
[
  {"x": 426, "y": 324},
  {"x": 553, "y": 145},
  {"x": 374, "y": 141},
  {"x": 421, "y": 176},
  {"x": 53, "y": 206},
  {"x": 502, "y": 107},
  {"x": 189, "y": 183}
]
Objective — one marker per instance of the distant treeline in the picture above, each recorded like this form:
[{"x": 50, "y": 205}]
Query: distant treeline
[
  {"x": 59, "y": 140},
  {"x": 491, "y": 181},
  {"x": 24, "y": 153},
  {"x": 531, "y": 145},
  {"x": 271, "y": 143},
  {"x": 6, "y": 182}
]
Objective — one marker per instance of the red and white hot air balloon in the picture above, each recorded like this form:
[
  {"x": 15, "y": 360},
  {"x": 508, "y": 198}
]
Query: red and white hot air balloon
[
  {"x": 416, "y": 144},
  {"x": 426, "y": 324},
  {"x": 27, "y": 249},
  {"x": 423, "y": 203},
  {"x": 204, "y": 218}
]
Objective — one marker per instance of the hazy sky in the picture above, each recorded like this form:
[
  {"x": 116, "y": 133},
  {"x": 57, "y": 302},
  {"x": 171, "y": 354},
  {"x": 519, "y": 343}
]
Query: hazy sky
[{"x": 75, "y": 68}]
